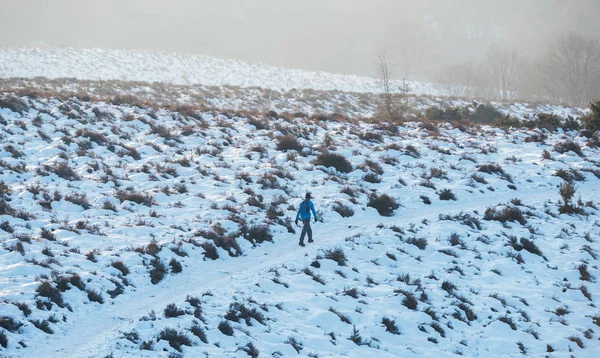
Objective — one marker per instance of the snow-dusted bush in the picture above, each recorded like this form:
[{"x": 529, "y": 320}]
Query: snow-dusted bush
[
  {"x": 334, "y": 160},
  {"x": 172, "y": 311},
  {"x": 158, "y": 270},
  {"x": 384, "y": 204},
  {"x": 176, "y": 339},
  {"x": 288, "y": 142},
  {"x": 447, "y": 194},
  {"x": 336, "y": 255},
  {"x": 225, "y": 328},
  {"x": 344, "y": 210},
  {"x": 133, "y": 196},
  {"x": 568, "y": 146},
  {"x": 238, "y": 311},
  {"x": 508, "y": 213}
]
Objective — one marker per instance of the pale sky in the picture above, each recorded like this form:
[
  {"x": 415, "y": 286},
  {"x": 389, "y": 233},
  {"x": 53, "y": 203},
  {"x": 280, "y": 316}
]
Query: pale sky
[{"x": 330, "y": 35}]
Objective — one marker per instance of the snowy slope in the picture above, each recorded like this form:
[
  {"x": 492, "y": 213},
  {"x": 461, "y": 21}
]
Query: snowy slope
[
  {"x": 135, "y": 65},
  {"x": 98, "y": 200}
]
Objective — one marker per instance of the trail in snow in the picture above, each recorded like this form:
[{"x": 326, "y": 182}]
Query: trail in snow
[{"x": 84, "y": 337}]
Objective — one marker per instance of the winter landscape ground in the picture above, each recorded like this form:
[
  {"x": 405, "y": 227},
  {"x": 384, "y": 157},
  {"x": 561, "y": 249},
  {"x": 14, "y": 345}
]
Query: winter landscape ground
[{"x": 146, "y": 219}]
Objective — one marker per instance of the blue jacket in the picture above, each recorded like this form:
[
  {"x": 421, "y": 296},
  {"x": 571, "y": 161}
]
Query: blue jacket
[{"x": 305, "y": 214}]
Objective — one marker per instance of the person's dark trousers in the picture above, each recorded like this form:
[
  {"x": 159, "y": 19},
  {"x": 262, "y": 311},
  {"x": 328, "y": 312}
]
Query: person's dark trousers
[{"x": 306, "y": 230}]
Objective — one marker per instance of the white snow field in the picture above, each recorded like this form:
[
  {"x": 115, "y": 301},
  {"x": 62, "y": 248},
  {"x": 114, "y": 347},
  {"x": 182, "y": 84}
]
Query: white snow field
[
  {"x": 137, "y": 230},
  {"x": 181, "y": 69}
]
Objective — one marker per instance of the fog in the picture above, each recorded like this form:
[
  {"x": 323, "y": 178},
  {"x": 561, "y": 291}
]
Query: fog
[{"x": 342, "y": 36}]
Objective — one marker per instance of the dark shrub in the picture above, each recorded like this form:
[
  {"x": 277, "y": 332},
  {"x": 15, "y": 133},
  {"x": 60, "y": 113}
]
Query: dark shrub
[
  {"x": 175, "y": 339},
  {"x": 258, "y": 124},
  {"x": 333, "y": 160},
  {"x": 143, "y": 199},
  {"x": 64, "y": 171},
  {"x": 48, "y": 235},
  {"x": 79, "y": 199},
  {"x": 571, "y": 124},
  {"x": 294, "y": 343},
  {"x": 119, "y": 265},
  {"x": 493, "y": 168},
  {"x": 175, "y": 266},
  {"x": 421, "y": 243},
  {"x": 251, "y": 350},
  {"x": 45, "y": 289},
  {"x": 3, "y": 340},
  {"x": 509, "y": 321},
  {"x": 9, "y": 324},
  {"x": 531, "y": 247},
  {"x": 173, "y": 311},
  {"x": 344, "y": 210},
  {"x": 509, "y": 213},
  {"x": 384, "y": 204},
  {"x": 225, "y": 328},
  {"x": 238, "y": 311},
  {"x": 567, "y": 146},
  {"x": 412, "y": 151},
  {"x": 372, "y": 178},
  {"x": 336, "y": 255},
  {"x": 14, "y": 103},
  {"x": 94, "y": 296},
  {"x": 288, "y": 142},
  {"x": 486, "y": 114},
  {"x": 451, "y": 114},
  {"x": 43, "y": 325},
  {"x": 258, "y": 234},
  {"x": 585, "y": 274},
  {"x": 158, "y": 270},
  {"x": 409, "y": 301},
  {"x": 447, "y": 194},
  {"x": 198, "y": 331},
  {"x": 592, "y": 120},
  {"x": 548, "y": 121},
  {"x": 390, "y": 325},
  {"x": 210, "y": 250},
  {"x": 341, "y": 316}
]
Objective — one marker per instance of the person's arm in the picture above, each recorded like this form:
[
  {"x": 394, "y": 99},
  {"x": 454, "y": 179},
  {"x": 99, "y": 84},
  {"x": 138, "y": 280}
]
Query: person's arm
[
  {"x": 297, "y": 216},
  {"x": 312, "y": 208}
]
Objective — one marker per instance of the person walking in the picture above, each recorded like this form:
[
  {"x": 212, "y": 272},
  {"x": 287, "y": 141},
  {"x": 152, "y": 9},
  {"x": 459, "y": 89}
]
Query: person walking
[{"x": 306, "y": 206}]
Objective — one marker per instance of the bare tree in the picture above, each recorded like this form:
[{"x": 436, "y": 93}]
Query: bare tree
[
  {"x": 503, "y": 67},
  {"x": 384, "y": 74},
  {"x": 459, "y": 80},
  {"x": 570, "y": 69}
]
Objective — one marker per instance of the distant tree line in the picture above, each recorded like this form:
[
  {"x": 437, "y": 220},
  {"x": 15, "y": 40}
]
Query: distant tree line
[{"x": 567, "y": 72}]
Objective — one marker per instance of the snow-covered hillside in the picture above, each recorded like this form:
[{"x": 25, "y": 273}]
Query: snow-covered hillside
[
  {"x": 133, "y": 65},
  {"x": 140, "y": 232}
]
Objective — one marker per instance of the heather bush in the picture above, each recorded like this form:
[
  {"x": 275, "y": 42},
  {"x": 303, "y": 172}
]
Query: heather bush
[
  {"x": 384, "y": 204},
  {"x": 567, "y": 146},
  {"x": 333, "y": 160},
  {"x": 288, "y": 142},
  {"x": 158, "y": 270},
  {"x": 344, "y": 210},
  {"x": 14, "y": 103},
  {"x": 591, "y": 121},
  {"x": 336, "y": 255},
  {"x": 172, "y": 311},
  {"x": 238, "y": 311},
  {"x": 176, "y": 339},
  {"x": 390, "y": 325},
  {"x": 139, "y": 198},
  {"x": 79, "y": 199},
  {"x": 446, "y": 194},
  {"x": 509, "y": 213}
]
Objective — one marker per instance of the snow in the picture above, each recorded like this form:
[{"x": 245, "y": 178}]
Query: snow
[{"x": 299, "y": 294}]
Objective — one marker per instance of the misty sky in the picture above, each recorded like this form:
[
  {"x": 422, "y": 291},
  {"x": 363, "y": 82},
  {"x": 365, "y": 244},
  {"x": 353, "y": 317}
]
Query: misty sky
[{"x": 330, "y": 35}]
